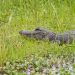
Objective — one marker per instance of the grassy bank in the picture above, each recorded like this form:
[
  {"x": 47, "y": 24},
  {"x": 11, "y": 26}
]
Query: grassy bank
[{"x": 16, "y": 15}]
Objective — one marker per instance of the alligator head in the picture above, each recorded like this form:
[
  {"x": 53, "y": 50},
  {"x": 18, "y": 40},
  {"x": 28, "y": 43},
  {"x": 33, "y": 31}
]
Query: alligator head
[{"x": 39, "y": 34}]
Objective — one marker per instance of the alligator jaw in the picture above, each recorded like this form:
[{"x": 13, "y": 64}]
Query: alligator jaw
[{"x": 25, "y": 33}]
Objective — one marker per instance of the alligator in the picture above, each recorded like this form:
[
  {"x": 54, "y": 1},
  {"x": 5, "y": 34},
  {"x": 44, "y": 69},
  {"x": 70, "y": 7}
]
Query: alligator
[{"x": 39, "y": 34}]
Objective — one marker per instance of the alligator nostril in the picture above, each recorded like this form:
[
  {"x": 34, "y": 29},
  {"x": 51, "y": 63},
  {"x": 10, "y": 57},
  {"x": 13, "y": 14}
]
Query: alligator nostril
[{"x": 20, "y": 32}]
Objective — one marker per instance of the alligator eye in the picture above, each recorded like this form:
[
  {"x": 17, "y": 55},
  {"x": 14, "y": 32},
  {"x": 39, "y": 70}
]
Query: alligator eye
[{"x": 37, "y": 29}]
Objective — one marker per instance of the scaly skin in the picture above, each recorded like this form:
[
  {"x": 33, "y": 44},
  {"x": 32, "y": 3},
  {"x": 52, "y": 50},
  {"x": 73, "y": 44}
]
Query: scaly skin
[{"x": 40, "y": 34}]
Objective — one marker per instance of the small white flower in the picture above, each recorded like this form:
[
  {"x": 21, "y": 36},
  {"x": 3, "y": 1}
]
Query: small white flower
[
  {"x": 28, "y": 72},
  {"x": 53, "y": 67}
]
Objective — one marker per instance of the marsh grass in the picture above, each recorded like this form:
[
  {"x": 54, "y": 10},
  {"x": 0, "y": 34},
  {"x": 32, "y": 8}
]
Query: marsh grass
[{"x": 16, "y": 15}]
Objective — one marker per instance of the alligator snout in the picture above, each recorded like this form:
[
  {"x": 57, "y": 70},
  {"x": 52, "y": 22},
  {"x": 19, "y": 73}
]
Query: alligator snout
[
  {"x": 23, "y": 32},
  {"x": 26, "y": 33}
]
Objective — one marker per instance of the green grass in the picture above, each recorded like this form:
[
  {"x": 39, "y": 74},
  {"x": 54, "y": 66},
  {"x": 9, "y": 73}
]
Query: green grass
[{"x": 16, "y": 15}]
